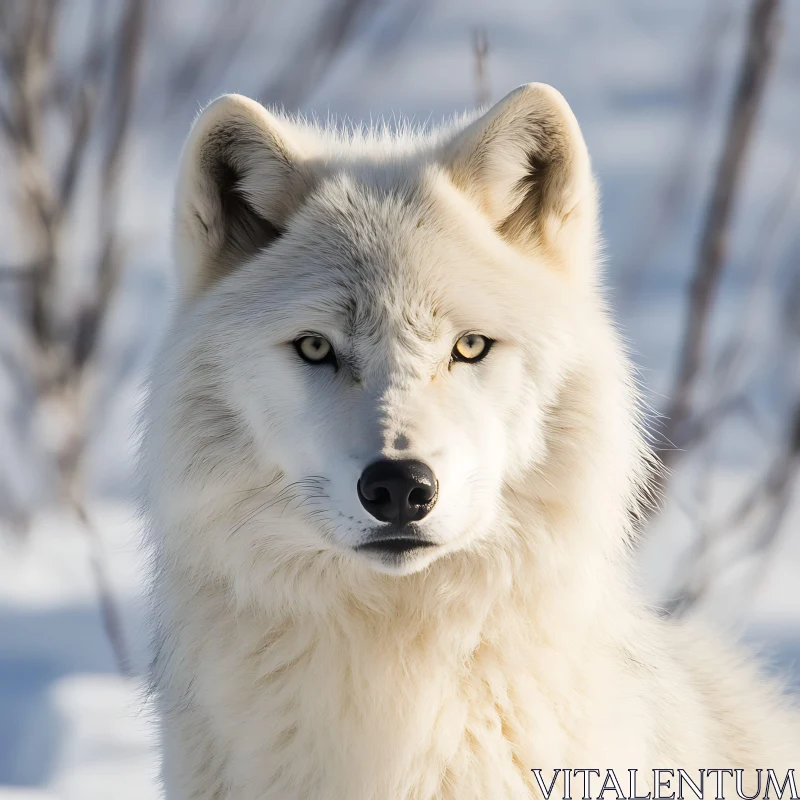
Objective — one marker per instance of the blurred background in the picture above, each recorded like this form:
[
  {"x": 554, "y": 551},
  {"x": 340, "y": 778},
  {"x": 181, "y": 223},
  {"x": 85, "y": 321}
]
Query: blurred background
[{"x": 691, "y": 110}]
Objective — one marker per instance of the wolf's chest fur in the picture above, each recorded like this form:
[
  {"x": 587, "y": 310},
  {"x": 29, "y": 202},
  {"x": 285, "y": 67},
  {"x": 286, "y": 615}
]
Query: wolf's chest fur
[{"x": 357, "y": 707}]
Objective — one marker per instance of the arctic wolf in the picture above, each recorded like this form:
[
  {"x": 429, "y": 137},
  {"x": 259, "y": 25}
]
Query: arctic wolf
[{"x": 393, "y": 457}]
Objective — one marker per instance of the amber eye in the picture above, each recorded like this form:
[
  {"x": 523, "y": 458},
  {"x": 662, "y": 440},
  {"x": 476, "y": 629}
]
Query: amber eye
[
  {"x": 315, "y": 350},
  {"x": 471, "y": 347}
]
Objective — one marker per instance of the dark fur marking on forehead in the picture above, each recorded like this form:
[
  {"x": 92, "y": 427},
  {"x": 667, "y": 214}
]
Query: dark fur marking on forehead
[
  {"x": 374, "y": 291},
  {"x": 424, "y": 329},
  {"x": 369, "y": 313}
]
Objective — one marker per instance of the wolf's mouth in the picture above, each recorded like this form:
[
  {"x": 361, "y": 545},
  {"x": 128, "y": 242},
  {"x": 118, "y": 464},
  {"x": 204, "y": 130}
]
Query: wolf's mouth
[{"x": 398, "y": 545}]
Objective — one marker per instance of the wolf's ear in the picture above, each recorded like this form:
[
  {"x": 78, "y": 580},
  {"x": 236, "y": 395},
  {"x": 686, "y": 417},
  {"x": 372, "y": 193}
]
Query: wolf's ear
[
  {"x": 526, "y": 166},
  {"x": 241, "y": 178}
]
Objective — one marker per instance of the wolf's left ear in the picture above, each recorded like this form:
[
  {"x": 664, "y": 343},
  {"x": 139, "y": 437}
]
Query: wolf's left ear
[
  {"x": 243, "y": 175},
  {"x": 526, "y": 166}
]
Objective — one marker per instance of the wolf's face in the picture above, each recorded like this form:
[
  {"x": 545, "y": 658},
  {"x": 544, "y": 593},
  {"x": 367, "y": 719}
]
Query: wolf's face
[
  {"x": 386, "y": 367},
  {"x": 387, "y": 330}
]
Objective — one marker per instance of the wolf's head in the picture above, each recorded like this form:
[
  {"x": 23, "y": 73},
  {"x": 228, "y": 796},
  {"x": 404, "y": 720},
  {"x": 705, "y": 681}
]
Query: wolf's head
[{"x": 390, "y": 348}]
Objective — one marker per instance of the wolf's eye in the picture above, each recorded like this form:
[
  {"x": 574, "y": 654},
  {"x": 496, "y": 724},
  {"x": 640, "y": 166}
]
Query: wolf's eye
[
  {"x": 315, "y": 350},
  {"x": 471, "y": 347}
]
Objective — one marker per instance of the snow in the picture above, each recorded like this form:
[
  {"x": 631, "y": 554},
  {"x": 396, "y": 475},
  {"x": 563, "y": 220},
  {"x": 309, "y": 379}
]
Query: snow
[
  {"x": 68, "y": 721},
  {"x": 70, "y": 726}
]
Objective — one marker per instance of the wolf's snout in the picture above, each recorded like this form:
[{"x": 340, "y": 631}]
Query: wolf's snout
[{"x": 397, "y": 491}]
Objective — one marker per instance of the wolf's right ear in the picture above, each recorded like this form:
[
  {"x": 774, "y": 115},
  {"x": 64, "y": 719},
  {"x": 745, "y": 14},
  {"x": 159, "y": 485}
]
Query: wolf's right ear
[{"x": 241, "y": 178}]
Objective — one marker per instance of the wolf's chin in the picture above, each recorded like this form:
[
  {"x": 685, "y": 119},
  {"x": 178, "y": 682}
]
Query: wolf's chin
[
  {"x": 399, "y": 564},
  {"x": 417, "y": 559}
]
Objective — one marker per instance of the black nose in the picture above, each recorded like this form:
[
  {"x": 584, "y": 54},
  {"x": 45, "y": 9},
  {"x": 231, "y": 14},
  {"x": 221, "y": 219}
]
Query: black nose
[{"x": 397, "y": 491}]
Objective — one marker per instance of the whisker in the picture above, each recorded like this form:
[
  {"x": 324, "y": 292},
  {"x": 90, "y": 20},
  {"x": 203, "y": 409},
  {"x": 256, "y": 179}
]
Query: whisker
[{"x": 296, "y": 495}]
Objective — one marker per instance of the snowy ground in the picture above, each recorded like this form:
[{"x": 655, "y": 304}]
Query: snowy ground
[{"x": 70, "y": 727}]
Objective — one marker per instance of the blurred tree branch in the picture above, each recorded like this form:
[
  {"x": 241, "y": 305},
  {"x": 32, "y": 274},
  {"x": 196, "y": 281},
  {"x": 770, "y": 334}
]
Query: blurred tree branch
[
  {"x": 671, "y": 201},
  {"x": 713, "y": 394},
  {"x": 757, "y": 62},
  {"x": 61, "y": 342},
  {"x": 751, "y": 527},
  {"x": 480, "y": 52}
]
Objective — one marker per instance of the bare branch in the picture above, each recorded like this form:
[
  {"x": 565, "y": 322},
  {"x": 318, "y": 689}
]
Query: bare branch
[
  {"x": 671, "y": 201},
  {"x": 757, "y": 62},
  {"x": 226, "y": 33},
  {"x": 334, "y": 30},
  {"x": 79, "y": 140},
  {"x": 480, "y": 50},
  {"x": 92, "y": 314},
  {"x": 109, "y": 608}
]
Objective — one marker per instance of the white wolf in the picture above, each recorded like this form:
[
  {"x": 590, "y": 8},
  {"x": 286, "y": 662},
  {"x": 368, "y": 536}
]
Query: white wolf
[{"x": 393, "y": 456}]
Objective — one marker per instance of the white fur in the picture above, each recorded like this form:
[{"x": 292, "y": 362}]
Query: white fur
[{"x": 290, "y": 666}]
